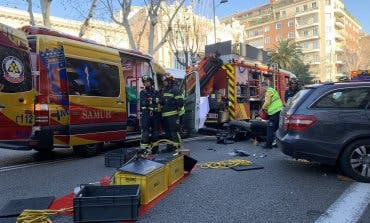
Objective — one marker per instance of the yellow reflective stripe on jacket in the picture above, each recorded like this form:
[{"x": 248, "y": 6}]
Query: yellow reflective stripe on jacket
[
  {"x": 179, "y": 97},
  {"x": 168, "y": 95},
  {"x": 276, "y": 104},
  {"x": 182, "y": 111},
  {"x": 170, "y": 113},
  {"x": 157, "y": 100}
]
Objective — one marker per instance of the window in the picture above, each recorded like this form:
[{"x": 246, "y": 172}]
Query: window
[
  {"x": 279, "y": 38},
  {"x": 291, "y": 23},
  {"x": 328, "y": 2},
  {"x": 305, "y": 33},
  {"x": 305, "y": 45},
  {"x": 283, "y": 13},
  {"x": 267, "y": 28},
  {"x": 305, "y": 7},
  {"x": 290, "y": 35},
  {"x": 278, "y": 26},
  {"x": 328, "y": 42},
  {"x": 314, "y": 4},
  {"x": 267, "y": 40},
  {"x": 315, "y": 19},
  {"x": 15, "y": 74},
  {"x": 315, "y": 45},
  {"x": 314, "y": 32},
  {"x": 297, "y": 9},
  {"x": 92, "y": 78},
  {"x": 354, "y": 98}
]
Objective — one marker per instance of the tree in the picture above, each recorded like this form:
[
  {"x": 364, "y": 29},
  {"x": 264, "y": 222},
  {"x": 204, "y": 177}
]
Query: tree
[
  {"x": 45, "y": 10},
  {"x": 86, "y": 22},
  {"x": 32, "y": 19},
  {"x": 286, "y": 53},
  {"x": 186, "y": 35},
  {"x": 303, "y": 72},
  {"x": 357, "y": 57},
  {"x": 152, "y": 10}
]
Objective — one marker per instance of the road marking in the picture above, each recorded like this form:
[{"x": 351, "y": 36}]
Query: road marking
[
  {"x": 21, "y": 166},
  {"x": 349, "y": 207}
]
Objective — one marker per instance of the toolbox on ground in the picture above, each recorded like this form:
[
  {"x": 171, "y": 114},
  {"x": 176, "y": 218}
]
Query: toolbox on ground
[
  {"x": 174, "y": 166},
  {"x": 118, "y": 157},
  {"x": 106, "y": 203},
  {"x": 148, "y": 174}
]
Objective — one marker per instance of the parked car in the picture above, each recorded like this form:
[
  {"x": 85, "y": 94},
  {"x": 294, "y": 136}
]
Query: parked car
[{"x": 329, "y": 123}]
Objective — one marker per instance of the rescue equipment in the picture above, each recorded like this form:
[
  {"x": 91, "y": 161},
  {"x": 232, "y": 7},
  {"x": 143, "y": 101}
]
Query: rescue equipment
[{"x": 225, "y": 164}]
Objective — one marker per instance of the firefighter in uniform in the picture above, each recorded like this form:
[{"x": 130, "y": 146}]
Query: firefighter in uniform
[
  {"x": 292, "y": 90},
  {"x": 149, "y": 103},
  {"x": 273, "y": 105},
  {"x": 172, "y": 102}
]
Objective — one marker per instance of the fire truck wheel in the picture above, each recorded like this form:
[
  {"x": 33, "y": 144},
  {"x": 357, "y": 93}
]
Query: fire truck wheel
[{"x": 88, "y": 150}]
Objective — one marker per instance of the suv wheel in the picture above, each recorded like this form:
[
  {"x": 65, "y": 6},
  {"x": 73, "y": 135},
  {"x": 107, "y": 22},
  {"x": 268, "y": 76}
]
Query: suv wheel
[{"x": 355, "y": 160}]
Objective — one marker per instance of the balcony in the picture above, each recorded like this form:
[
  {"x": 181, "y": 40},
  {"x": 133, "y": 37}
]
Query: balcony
[
  {"x": 339, "y": 36},
  {"x": 310, "y": 50},
  {"x": 255, "y": 37},
  {"x": 339, "y": 24},
  {"x": 307, "y": 25},
  {"x": 339, "y": 49},
  {"x": 305, "y": 13},
  {"x": 338, "y": 12},
  {"x": 339, "y": 62},
  {"x": 305, "y": 38}
]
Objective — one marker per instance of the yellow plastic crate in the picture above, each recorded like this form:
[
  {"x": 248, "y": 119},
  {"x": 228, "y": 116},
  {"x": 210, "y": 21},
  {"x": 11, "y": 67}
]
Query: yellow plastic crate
[
  {"x": 151, "y": 185},
  {"x": 176, "y": 169}
]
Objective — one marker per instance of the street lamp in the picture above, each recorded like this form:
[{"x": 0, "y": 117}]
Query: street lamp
[{"x": 214, "y": 16}]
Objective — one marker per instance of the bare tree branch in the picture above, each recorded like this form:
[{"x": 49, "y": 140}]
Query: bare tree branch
[
  {"x": 32, "y": 19},
  {"x": 45, "y": 9},
  {"x": 169, "y": 28},
  {"x": 88, "y": 18}
]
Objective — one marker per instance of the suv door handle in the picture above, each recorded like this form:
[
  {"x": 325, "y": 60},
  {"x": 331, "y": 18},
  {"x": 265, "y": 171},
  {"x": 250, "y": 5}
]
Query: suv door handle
[{"x": 119, "y": 101}]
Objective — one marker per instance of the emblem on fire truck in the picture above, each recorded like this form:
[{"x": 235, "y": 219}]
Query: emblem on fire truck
[{"x": 13, "y": 69}]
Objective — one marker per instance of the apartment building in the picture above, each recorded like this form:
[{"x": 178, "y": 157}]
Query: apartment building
[{"x": 325, "y": 30}]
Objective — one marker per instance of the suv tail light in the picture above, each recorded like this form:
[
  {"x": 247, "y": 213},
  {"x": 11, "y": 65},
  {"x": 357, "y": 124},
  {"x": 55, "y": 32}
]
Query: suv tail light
[
  {"x": 299, "y": 122},
  {"x": 41, "y": 114}
]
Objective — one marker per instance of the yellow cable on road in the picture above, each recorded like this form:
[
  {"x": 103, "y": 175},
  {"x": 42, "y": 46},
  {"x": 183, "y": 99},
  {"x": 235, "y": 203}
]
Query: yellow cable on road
[
  {"x": 225, "y": 164},
  {"x": 39, "y": 216}
]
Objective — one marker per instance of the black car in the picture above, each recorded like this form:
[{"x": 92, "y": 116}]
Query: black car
[{"x": 329, "y": 123}]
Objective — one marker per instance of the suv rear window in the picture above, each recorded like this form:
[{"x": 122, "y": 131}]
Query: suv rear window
[
  {"x": 353, "y": 98},
  {"x": 296, "y": 98},
  {"x": 15, "y": 71}
]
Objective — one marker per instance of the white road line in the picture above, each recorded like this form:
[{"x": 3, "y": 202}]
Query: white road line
[
  {"x": 21, "y": 166},
  {"x": 349, "y": 207}
]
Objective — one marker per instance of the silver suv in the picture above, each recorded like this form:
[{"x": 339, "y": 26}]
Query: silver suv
[{"x": 329, "y": 123}]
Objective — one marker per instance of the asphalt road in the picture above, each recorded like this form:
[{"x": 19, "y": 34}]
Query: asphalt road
[{"x": 284, "y": 191}]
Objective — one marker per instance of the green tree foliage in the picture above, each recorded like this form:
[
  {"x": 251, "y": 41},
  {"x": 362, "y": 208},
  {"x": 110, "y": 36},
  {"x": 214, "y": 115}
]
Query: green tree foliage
[
  {"x": 302, "y": 71},
  {"x": 288, "y": 56},
  {"x": 286, "y": 53}
]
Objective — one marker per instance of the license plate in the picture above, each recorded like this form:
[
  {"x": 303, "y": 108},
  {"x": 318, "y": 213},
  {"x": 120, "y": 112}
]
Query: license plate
[{"x": 212, "y": 115}]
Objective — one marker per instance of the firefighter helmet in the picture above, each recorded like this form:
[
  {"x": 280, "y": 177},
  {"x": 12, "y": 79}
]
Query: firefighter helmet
[
  {"x": 146, "y": 78},
  {"x": 167, "y": 77}
]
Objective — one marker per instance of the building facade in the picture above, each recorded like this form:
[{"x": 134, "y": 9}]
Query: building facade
[{"x": 324, "y": 29}]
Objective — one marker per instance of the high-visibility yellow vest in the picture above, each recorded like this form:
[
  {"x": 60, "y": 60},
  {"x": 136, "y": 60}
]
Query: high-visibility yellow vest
[{"x": 276, "y": 104}]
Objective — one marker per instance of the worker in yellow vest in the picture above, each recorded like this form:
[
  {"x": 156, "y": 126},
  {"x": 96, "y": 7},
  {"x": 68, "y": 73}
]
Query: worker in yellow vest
[{"x": 272, "y": 105}]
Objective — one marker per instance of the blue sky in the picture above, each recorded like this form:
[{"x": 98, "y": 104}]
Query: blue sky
[{"x": 60, "y": 8}]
